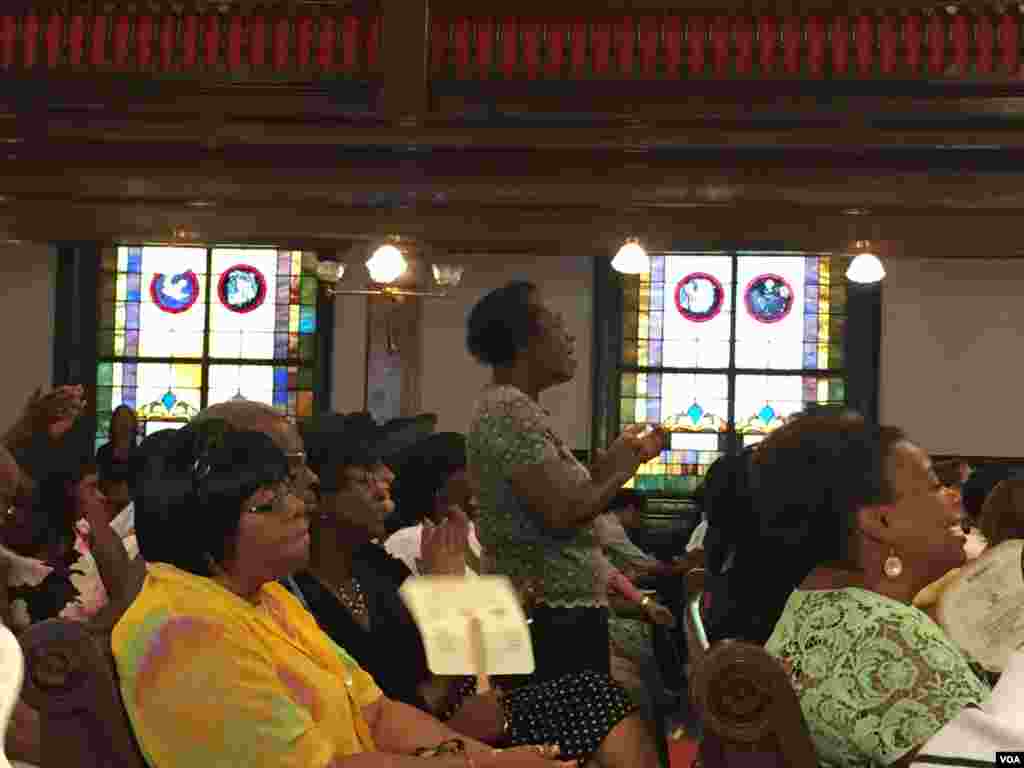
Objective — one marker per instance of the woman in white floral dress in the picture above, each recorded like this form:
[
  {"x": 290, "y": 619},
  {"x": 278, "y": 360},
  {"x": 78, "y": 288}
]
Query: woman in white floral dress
[
  {"x": 856, "y": 523},
  {"x": 537, "y": 502}
]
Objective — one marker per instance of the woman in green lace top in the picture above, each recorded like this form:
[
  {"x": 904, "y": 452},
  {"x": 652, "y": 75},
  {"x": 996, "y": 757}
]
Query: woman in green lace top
[
  {"x": 537, "y": 502},
  {"x": 856, "y": 521}
]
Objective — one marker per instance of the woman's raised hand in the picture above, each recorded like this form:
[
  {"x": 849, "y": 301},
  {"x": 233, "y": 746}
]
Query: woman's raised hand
[{"x": 443, "y": 547}]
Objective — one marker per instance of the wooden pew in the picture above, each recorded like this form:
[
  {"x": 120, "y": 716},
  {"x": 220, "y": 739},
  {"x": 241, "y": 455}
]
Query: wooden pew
[{"x": 748, "y": 709}]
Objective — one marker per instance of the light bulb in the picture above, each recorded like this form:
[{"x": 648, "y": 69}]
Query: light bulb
[
  {"x": 447, "y": 275},
  {"x": 631, "y": 259},
  {"x": 387, "y": 264},
  {"x": 330, "y": 271},
  {"x": 866, "y": 267}
]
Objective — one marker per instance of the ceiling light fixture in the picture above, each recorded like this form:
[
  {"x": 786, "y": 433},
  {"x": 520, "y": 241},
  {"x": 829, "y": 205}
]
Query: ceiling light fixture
[
  {"x": 387, "y": 264},
  {"x": 631, "y": 259},
  {"x": 866, "y": 267}
]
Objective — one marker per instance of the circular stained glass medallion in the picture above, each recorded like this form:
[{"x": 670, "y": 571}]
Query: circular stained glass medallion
[
  {"x": 699, "y": 297},
  {"x": 769, "y": 298},
  {"x": 174, "y": 293},
  {"x": 242, "y": 288}
]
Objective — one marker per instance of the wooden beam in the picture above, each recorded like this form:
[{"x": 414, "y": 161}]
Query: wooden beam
[{"x": 471, "y": 229}]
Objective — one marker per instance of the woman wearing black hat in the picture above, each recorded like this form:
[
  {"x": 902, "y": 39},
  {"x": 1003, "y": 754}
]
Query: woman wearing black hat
[
  {"x": 351, "y": 587},
  {"x": 537, "y": 502}
]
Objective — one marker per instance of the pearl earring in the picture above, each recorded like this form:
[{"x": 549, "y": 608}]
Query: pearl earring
[{"x": 893, "y": 565}]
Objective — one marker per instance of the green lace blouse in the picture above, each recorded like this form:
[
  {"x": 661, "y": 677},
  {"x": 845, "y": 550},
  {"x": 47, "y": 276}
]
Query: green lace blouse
[
  {"x": 876, "y": 678},
  {"x": 509, "y": 430}
]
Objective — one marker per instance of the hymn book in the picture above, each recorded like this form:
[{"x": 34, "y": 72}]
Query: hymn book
[
  {"x": 470, "y": 626},
  {"x": 983, "y": 609}
]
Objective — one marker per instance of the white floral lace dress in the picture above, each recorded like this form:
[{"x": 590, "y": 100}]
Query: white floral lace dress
[{"x": 876, "y": 678}]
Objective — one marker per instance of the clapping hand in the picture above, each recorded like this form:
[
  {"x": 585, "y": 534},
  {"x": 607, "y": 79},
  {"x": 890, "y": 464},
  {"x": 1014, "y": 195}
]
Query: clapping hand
[{"x": 443, "y": 547}]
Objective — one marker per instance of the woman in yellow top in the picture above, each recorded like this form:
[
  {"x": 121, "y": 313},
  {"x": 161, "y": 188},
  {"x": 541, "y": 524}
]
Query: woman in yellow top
[{"x": 221, "y": 666}]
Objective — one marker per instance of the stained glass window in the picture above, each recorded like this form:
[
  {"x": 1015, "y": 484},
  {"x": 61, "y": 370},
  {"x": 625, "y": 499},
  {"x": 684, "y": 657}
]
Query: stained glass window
[
  {"x": 721, "y": 348},
  {"x": 183, "y": 328}
]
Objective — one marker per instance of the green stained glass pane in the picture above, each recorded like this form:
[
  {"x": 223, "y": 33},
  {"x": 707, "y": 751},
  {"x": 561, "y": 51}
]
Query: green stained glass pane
[
  {"x": 835, "y": 356},
  {"x": 307, "y": 348},
  {"x": 308, "y": 290},
  {"x": 628, "y": 384},
  {"x": 104, "y": 398},
  {"x": 305, "y": 378},
  {"x": 837, "y": 299},
  {"x": 627, "y": 408},
  {"x": 837, "y": 391},
  {"x": 103, "y": 422},
  {"x": 836, "y": 327},
  {"x": 105, "y": 343}
]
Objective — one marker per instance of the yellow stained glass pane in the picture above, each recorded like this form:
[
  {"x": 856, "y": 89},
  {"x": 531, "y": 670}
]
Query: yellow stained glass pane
[
  {"x": 187, "y": 376},
  {"x": 296, "y": 262},
  {"x": 293, "y": 319},
  {"x": 641, "y": 352},
  {"x": 823, "y": 390},
  {"x": 119, "y": 343},
  {"x": 641, "y": 383},
  {"x": 122, "y": 289},
  {"x": 630, "y": 483},
  {"x": 119, "y": 316},
  {"x": 640, "y": 414},
  {"x": 823, "y": 328},
  {"x": 118, "y": 374},
  {"x": 824, "y": 271},
  {"x": 122, "y": 259},
  {"x": 643, "y": 324}
]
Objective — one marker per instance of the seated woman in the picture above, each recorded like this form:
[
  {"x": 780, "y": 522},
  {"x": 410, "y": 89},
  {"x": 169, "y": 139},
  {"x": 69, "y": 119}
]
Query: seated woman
[
  {"x": 857, "y": 523},
  {"x": 1002, "y": 514},
  {"x": 219, "y": 664},
  {"x": 352, "y": 591},
  {"x": 432, "y": 477}
]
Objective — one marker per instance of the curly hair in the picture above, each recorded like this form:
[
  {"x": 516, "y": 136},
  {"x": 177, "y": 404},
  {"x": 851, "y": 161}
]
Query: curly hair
[{"x": 501, "y": 323}]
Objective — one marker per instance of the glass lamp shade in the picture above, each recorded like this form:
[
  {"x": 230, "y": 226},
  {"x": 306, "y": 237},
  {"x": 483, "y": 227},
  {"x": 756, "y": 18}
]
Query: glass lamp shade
[
  {"x": 386, "y": 265},
  {"x": 631, "y": 259},
  {"x": 865, "y": 268},
  {"x": 447, "y": 275},
  {"x": 330, "y": 271}
]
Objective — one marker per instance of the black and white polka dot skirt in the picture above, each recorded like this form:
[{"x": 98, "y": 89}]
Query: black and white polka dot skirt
[{"x": 576, "y": 712}]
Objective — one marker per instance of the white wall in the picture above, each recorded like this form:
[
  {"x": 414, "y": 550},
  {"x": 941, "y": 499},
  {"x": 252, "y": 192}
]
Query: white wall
[
  {"x": 953, "y": 332},
  {"x": 27, "y": 274},
  {"x": 452, "y": 379},
  {"x": 348, "y": 363}
]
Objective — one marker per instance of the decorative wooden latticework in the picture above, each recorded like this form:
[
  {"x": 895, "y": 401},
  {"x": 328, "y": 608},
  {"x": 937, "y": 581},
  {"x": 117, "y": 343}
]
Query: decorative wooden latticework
[
  {"x": 652, "y": 47},
  {"x": 321, "y": 45}
]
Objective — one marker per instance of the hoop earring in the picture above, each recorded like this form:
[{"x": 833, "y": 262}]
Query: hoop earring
[{"x": 893, "y": 565}]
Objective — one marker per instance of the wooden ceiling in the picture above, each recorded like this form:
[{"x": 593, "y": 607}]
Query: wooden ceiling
[{"x": 924, "y": 167}]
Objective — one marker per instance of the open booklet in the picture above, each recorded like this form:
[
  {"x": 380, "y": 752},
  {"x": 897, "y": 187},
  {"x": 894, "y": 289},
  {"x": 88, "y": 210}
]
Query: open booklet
[
  {"x": 983, "y": 609},
  {"x": 470, "y": 626}
]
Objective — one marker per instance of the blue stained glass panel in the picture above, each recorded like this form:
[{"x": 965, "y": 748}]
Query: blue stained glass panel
[
  {"x": 280, "y": 398},
  {"x": 307, "y": 320},
  {"x": 134, "y": 260},
  {"x": 281, "y": 378},
  {"x": 131, "y": 320},
  {"x": 133, "y": 290},
  {"x": 280, "y": 346}
]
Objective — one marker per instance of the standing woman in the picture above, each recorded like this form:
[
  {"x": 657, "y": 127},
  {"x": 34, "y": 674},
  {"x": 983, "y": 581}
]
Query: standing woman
[
  {"x": 537, "y": 502},
  {"x": 120, "y": 451}
]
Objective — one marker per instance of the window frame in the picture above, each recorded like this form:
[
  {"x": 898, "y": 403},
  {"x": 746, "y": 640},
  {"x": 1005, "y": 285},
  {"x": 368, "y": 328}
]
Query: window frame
[{"x": 861, "y": 351}]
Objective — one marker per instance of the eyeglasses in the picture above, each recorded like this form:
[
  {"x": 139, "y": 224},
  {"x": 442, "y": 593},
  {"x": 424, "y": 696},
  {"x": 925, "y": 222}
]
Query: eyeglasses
[{"x": 285, "y": 489}]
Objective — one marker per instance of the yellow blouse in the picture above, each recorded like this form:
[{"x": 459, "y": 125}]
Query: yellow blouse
[{"x": 212, "y": 680}]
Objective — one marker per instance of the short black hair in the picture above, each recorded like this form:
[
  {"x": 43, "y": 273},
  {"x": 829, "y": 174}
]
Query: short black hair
[
  {"x": 422, "y": 472},
  {"x": 501, "y": 323},
  {"x": 190, "y": 502},
  {"x": 805, "y": 484}
]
